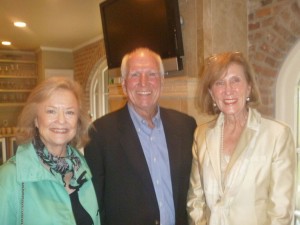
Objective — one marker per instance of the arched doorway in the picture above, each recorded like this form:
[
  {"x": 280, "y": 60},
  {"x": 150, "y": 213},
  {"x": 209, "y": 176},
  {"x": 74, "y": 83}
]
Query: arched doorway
[
  {"x": 99, "y": 91},
  {"x": 288, "y": 106},
  {"x": 287, "y": 89}
]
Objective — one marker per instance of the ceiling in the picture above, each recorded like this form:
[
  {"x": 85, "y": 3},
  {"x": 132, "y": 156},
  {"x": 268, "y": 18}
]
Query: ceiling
[{"x": 61, "y": 24}]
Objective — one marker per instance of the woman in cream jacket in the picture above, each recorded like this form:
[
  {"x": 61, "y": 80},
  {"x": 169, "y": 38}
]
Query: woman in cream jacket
[{"x": 243, "y": 169}]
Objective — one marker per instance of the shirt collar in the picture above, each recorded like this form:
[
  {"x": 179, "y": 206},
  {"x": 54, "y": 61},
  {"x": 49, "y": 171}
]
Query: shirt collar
[{"x": 139, "y": 121}]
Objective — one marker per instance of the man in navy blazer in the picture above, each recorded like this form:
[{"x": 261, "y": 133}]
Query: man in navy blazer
[{"x": 140, "y": 156}]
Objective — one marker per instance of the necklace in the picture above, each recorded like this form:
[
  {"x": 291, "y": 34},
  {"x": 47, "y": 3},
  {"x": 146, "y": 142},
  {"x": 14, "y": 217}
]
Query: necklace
[
  {"x": 222, "y": 150},
  {"x": 225, "y": 158},
  {"x": 222, "y": 139}
]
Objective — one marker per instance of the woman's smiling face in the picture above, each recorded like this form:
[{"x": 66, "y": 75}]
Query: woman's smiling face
[
  {"x": 57, "y": 119},
  {"x": 231, "y": 90}
]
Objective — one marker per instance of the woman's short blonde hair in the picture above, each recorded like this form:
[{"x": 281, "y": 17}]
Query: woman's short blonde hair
[
  {"x": 26, "y": 125},
  {"x": 214, "y": 67}
]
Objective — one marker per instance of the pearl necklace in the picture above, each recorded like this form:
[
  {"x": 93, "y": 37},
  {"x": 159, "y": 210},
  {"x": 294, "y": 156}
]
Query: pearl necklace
[{"x": 224, "y": 157}]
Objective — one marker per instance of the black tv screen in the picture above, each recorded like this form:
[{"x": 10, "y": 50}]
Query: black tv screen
[{"x": 128, "y": 24}]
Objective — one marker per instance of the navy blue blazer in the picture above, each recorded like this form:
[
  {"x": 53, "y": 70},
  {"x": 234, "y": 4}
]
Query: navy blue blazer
[{"x": 121, "y": 176}]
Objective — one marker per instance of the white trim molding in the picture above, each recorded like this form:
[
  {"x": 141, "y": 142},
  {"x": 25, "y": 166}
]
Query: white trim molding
[{"x": 287, "y": 89}]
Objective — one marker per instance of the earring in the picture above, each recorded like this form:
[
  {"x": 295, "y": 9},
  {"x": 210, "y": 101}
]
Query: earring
[
  {"x": 214, "y": 105},
  {"x": 248, "y": 99},
  {"x": 37, "y": 132}
]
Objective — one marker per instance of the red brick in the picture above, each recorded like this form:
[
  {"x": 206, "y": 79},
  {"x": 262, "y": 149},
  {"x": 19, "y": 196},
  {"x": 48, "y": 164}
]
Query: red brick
[
  {"x": 295, "y": 27},
  {"x": 260, "y": 56},
  {"x": 295, "y": 9},
  {"x": 264, "y": 12},
  {"x": 251, "y": 16},
  {"x": 85, "y": 60},
  {"x": 267, "y": 22},
  {"x": 266, "y": 2},
  {"x": 271, "y": 62},
  {"x": 286, "y": 16},
  {"x": 254, "y": 26}
]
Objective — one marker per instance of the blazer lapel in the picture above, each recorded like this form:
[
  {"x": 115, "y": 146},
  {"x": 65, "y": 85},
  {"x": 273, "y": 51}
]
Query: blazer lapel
[
  {"x": 213, "y": 140},
  {"x": 243, "y": 144},
  {"x": 247, "y": 137},
  {"x": 133, "y": 149},
  {"x": 174, "y": 144}
]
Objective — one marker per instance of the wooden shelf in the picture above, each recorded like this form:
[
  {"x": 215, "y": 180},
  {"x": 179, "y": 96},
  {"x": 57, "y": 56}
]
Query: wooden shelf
[{"x": 18, "y": 76}]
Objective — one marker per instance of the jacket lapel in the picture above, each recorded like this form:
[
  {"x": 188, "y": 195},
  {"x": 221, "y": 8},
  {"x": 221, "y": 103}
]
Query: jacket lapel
[
  {"x": 246, "y": 137},
  {"x": 174, "y": 144},
  {"x": 213, "y": 140},
  {"x": 133, "y": 149}
]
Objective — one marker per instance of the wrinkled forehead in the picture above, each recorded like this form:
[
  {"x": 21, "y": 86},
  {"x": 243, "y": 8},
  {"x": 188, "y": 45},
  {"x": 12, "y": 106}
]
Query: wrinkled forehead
[
  {"x": 223, "y": 71},
  {"x": 142, "y": 60}
]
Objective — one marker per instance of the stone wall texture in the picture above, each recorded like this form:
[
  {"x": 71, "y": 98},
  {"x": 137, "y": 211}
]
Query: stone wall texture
[{"x": 85, "y": 60}]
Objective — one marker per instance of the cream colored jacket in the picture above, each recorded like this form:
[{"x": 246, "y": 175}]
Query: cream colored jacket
[{"x": 259, "y": 180}]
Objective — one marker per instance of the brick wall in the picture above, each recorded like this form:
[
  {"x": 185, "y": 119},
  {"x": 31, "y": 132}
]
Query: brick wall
[
  {"x": 274, "y": 28},
  {"x": 85, "y": 60}
]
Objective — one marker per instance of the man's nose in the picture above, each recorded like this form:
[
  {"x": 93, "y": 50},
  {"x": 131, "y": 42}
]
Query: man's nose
[{"x": 143, "y": 78}]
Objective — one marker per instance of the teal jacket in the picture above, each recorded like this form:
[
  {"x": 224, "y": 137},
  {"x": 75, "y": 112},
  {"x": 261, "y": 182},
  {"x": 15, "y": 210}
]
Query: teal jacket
[{"x": 45, "y": 199}]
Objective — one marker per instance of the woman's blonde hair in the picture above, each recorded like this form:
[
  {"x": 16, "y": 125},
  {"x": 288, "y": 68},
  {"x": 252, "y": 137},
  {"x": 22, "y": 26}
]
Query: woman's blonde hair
[
  {"x": 26, "y": 125},
  {"x": 214, "y": 68}
]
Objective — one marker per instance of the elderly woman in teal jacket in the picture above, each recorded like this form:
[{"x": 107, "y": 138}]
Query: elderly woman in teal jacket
[{"x": 48, "y": 181}]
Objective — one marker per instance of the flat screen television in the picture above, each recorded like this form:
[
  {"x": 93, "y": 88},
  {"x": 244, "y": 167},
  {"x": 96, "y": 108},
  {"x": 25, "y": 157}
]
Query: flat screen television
[{"x": 128, "y": 24}]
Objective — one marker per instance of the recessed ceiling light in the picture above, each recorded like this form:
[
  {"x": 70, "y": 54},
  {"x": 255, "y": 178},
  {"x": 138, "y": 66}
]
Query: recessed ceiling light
[
  {"x": 6, "y": 43},
  {"x": 20, "y": 24}
]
